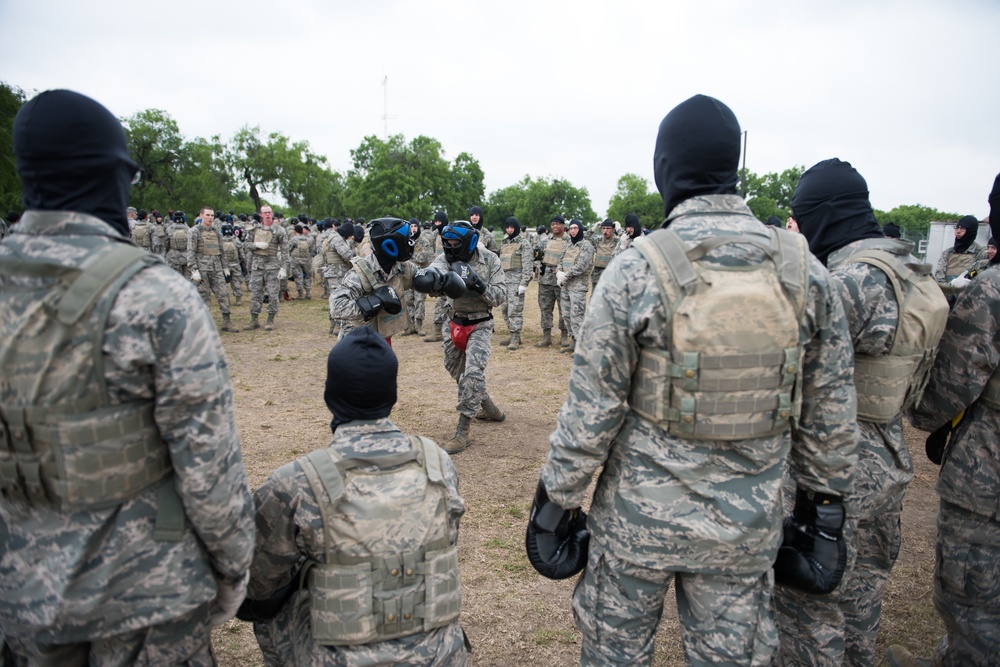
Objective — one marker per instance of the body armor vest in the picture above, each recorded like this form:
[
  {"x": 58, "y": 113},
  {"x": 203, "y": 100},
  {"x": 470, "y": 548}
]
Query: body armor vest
[
  {"x": 386, "y": 324},
  {"x": 179, "y": 238},
  {"x": 734, "y": 366},
  {"x": 302, "y": 251},
  {"x": 554, "y": 249},
  {"x": 958, "y": 264},
  {"x": 510, "y": 255},
  {"x": 265, "y": 235},
  {"x": 571, "y": 255},
  {"x": 604, "y": 250},
  {"x": 142, "y": 236},
  {"x": 330, "y": 254},
  {"x": 208, "y": 243},
  {"x": 889, "y": 384},
  {"x": 231, "y": 251},
  {"x": 390, "y": 569},
  {"x": 62, "y": 443}
]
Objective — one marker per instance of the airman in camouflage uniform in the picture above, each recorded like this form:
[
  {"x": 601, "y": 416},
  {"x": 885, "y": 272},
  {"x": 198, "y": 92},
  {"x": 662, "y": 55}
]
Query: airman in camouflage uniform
[
  {"x": 604, "y": 250},
  {"x": 702, "y": 509},
  {"x": 442, "y": 305},
  {"x": 574, "y": 280},
  {"x": 337, "y": 253},
  {"x": 551, "y": 248},
  {"x": 516, "y": 256},
  {"x": 209, "y": 270},
  {"x": 232, "y": 251},
  {"x": 301, "y": 248},
  {"x": 268, "y": 244},
  {"x": 317, "y": 509},
  {"x": 486, "y": 237},
  {"x": 176, "y": 238},
  {"x": 143, "y": 233},
  {"x": 892, "y": 358},
  {"x": 125, "y": 509},
  {"x": 632, "y": 231},
  {"x": 423, "y": 255},
  {"x": 966, "y": 378}
]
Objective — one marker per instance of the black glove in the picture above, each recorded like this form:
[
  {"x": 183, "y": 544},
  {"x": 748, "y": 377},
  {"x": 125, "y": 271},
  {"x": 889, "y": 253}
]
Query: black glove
[
  {"x": 452, "y": 285},
  {"x": 936, "y": 443},
  {"x": 258, "y": 611},
  {"x": 428, "y": 281},
  {"x": 369, "y": 305},
  {"x": 813, "y": 554},
  {"x": 472, "y": 280},
  {"x": 390, "y": 300},
  {"x": 557, "y": 540}
]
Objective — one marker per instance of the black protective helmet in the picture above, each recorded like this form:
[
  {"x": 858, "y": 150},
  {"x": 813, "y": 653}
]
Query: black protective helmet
[
  {"x": 226, "y": 229},
  {"x": 468, "y": 239},
  {"x": 391, "y": 239},
  {"x": 179, "y": 216}
]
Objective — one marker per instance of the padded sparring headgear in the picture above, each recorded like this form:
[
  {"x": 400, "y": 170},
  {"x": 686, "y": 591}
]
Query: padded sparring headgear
[
  {"x": 227, "y": 230},
  {"x": 391, "y": 240},
  {"x": 468, "y": 239}
]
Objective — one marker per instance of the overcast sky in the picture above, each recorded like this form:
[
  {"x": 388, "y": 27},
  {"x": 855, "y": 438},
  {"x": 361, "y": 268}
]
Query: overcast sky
[{"x": 907, "y": 91}]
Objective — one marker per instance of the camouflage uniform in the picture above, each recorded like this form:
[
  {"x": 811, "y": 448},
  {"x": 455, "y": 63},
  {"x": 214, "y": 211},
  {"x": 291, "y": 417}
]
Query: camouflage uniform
[
  {"x": 291, "y": 528},
  {"x": 344, "y": 300},
  {"x": 623, "y": 244},
  {"x": 235, "y": 258},
  {"x": 951, "y": 264},
  {"x": 516, "y": 257},
  {"x": 442, "y": 304},
  {"x": 301, "y": 248},
  {"x": 488, "y": 240},
  {"x": 336, "y": 253},
  {"x": 3, "y": 229},
  {"x": 548, "y": 288},
  {"x": 468, "y": 368},
  {"x": 577, "y": 262},
  {"x": 841, "y": 628},
  {"x": 966, "y": 376},
  {"x": 159, "y": 239},
  {"x": 604, "y": 250},
  {"x": 704, "y": 513},
  {"x": 109, "y": 578},
  {"x": 144, "y": 236},
  {"x": 177, "y": 257},
  {"x": 265, "y": 265},
  {"x": 204, "y": 254},
  {"x": 423, "y": 255}
]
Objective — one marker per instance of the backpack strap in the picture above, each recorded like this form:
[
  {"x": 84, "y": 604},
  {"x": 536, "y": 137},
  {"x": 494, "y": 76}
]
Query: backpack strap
[{"x": 323, "y": 476}]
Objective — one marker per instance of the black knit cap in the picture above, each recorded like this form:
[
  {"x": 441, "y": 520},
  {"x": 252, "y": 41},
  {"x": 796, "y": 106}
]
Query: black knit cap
[
  {"x": 558, "y": 218},
  {"x": 361, "y": 374},
  {"x": 441, "y": 216},
  {"x": 608, "y": 223}
]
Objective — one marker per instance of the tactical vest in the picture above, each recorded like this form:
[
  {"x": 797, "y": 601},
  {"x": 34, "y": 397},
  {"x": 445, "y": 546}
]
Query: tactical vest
[
  {"x": 208, "y": 243},
  {"x": 142, "y": 236},
  {"x": 330, "y": 254},
  {"x": 179, "y": 238},
  {"x": 390, "y": 569},
  {"x": 889, "y": 384},
  {"x": 510, "y": 255},
  {"x": 958, "y": 264},
  {"x": 63, "y": 444},
  {"x": 302, "y": 251},
  {"x": 554, "y": 249},
  {"x": 571, "y": 255},
  {"x": 470, "y": 302},
  {"x": 386, "y": 324},
  {"x": 734, "y": 366},
  {"x": 231, "y": 251},
  {"x": 265, "y": 235},
  {"x": 604, "y": 250}
]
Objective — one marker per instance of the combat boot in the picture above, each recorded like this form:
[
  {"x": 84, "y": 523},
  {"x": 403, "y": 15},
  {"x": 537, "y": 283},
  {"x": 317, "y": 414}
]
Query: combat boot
[
  {"x": 301, "y": 295},
  {"x": 506, "y": 341},
  {"x": 435, "y": 336},
  {"x": 227, "y": 324},
  {"x": 515, "y": 342},
  {"x": 546, "y": 340},
  {"x": 564, "y": 339},
  {"x": 569, "y": 349},
  {"x": 270, "y": 322},
  {"x": 899, "y": 656},
  {"x": 461, "y": 441},
  {"x": 410, "y": 329},
  {"x": 239, "y": 300},
  {"x": 420, "y": 327},
  {"x": 254, "y": 324},
  {"x": 490, "y": 412}
]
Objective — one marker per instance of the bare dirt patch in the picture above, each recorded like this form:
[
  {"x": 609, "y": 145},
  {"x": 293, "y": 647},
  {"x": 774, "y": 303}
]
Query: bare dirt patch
[{"x": 512, "y": 615}]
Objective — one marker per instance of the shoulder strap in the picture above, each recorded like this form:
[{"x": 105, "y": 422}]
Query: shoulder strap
[
  {"x": 432, "y": 457},
  {"x": 324, "y": 478},
  {"x": 793, "y": 266},
  {"x": 368, "y": 280}
]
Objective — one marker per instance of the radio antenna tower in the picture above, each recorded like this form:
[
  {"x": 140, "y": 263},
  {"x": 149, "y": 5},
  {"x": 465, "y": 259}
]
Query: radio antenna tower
[{"x": 385, "y": 108}]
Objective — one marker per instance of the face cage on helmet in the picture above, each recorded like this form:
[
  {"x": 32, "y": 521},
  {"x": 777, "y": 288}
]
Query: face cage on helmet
[
  {"x": 395, "y": 244},
  {"x": 463, "y": 252}
]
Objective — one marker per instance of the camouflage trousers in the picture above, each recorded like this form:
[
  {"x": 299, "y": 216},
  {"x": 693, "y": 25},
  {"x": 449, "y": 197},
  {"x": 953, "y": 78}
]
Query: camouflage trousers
[
  {"x": 442, "y": 311},
  {"x": 573, "y": 300},
  {"x": 513, "y": 307},
  {"x": 595, "y": 275},
  {"x": 264, "y": 276},
  {"x": 967, "y": 586},
  {"x": 725, "y": 619},
  {"x": 177, "y": 261},
  {"x": 182, "y": 641},
  {"x": 301, "y": 273},
  {"x": 841, "y": 628},
  {"x": 468, "y": 368},
  {"x": 548, "y": 299},
  {"x": 236, "y": 279},
  {"x": 332, "y": 278},
  {"x": 213, "y": 281},
  {"x": 415, "y": 302},
  {"x": 287, "y": 640}
]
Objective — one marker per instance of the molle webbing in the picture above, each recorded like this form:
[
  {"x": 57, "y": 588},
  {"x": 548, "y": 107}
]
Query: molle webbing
[
  {"x": 265, "y": 235},
  {"x": 554, "y": 249},
  {"x": 385, "y": 323},
  {"x": 208, "y": 242},
  {"x": 179, "y": 238},
  {"x": 604, "y": 250},
  {"x": 331, "y": 255},
  {"x": 510, "y": 256},
  {"x": 570, "y": 256}
]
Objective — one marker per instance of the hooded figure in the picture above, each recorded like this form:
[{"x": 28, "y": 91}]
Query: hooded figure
[
  {"x": 971, "y": 226},
  {"x": 361, "y": 374},
  {"x": 575, "y": 238},
  {"x": 632, "y": 227},
  {"x": 512, "y": 222},
  {"x": 346, "y": 230},
  {"x": 965, "y": 254},
  {"x": 697, "y": 151},
  {"x": 831, "y": 207},
  {"x": 414, "y": 231},
  {"x": 891, "y": 231}
]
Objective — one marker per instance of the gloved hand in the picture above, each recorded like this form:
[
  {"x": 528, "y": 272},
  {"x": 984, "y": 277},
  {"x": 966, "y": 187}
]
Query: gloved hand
[
  {"x": 452, "y": 285},
  {"x": 196, "y": 276},
  {"x": 960, "y": 282},
  {"x": 227, "y": 275},
  {"x": 389, "y": 298},
  {"x": 561, "y": 278},
  {"x": 428, "y": 281},
  {"x": 261, "y": 245},
  {"x": 472, "y": 280},
  {"x": 813, "y": 554},
  {"x": 521, "y": 289},
  {"x": 282, "y": 274},
  {"x": 936, "y": 443},
  {"x": 557, "y": 539},
  {"x": 228, "y": 599}
]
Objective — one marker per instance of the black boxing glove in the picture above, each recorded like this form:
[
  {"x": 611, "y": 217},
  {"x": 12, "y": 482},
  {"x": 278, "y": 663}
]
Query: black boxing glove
[
  {"x": 557, "y": 540},
  {"x": 472, "y": 280},
  {"x": 452, "y": 285},
  {"x": 813, "y": 554},
  {"x": 428, "y": 281},
  {"x": 390, "y": 300}
]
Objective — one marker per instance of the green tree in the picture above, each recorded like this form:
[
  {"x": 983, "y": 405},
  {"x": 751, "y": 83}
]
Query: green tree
[
  {"x": 504, "y": 203},
  {"x": 252, "y": 161},
  {"x": 547, "y": 197},
  {"x": 155, "y": 142},
  {"x": 633, "y": 195},
  {"x": 204, "y": 178},
  {"x": 771, "y": 194},
  {"x": 467, "y": 187},
  {"x": 914, "y": 218},
  {"x": 11, "y": 100}
]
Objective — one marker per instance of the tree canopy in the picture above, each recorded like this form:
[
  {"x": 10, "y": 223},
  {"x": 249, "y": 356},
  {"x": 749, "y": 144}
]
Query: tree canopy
[
  {"x": 11, "y": 100},
  {"x": 633, "y": 195},
  {"x": 535, "y": 201}
]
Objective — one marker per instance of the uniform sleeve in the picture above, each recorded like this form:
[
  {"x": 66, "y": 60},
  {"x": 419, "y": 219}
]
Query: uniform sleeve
[
  {"x": 456, "y": 504},
  {"x": 940, "y": 271},
  {"x": 824, "y": 446},
  {"x": 968, "y": 355},
  {"x": 527, "y": 259},
  {"x": 344, "y": 301},
  {"x": 192, "y": 235},
  {"x": 496, "y": 286},
  {"x": 276, "y": 555}
]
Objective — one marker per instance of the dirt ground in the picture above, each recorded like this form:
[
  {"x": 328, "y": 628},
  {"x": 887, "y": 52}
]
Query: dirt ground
[{"x": 512, "y": 615}]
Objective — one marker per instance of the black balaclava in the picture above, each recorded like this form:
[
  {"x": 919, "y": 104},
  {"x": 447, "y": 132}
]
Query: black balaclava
[
  {"x": 632, "y": 222},
  {"x": 697, "y": 151},
  {"x": 475, "y": 210},
  {"x": 359, "y": 232},
  {"x": 971, "y": 226},
  {"x": 832, "y": 208},
  {"x": 346, "y": 230},
  {"x": 72, "y": 155},
  {"x": 579, "y": 235},
  {"x": 440, "y": 220},
  {"x": 360, "y": 377},
  {"x": 512, "y": 222},
  {"x": 414, "y": 234},
  {"x": 994, "y": 201},
  {"x": 891, "y": 230},
  {"x": 773, "y": 221}
]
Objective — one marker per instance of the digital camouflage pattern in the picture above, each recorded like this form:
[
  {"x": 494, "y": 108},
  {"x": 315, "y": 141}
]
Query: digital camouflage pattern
[
  {"x": 77, "y": 576},
  {"x": 548, "y": 291},
  {"x": 233, "y": 251},
  {"x": 344, "y": 299},
  {"x": 265, "y": 265},
  {"x": 468, "y": 368},
  {"x": 301, "y": 248},
  {"x": 211, "y": 264},
  {"x": 573, "y": 294},
  {"x": 513, "y": 309},
  {"x": 841, "y": 628},
  {"x": 604, "y": 250},
  {"x": 671, "y": 504},
  {"x": 423, "y": 255},
  {"x": 291, "y": 528},
  {"x": 952, "y": 264},
  {"x": 967, "y": 573},
  {"x": 144, "y": 236},
  {"x": 176, "y": 245}
]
